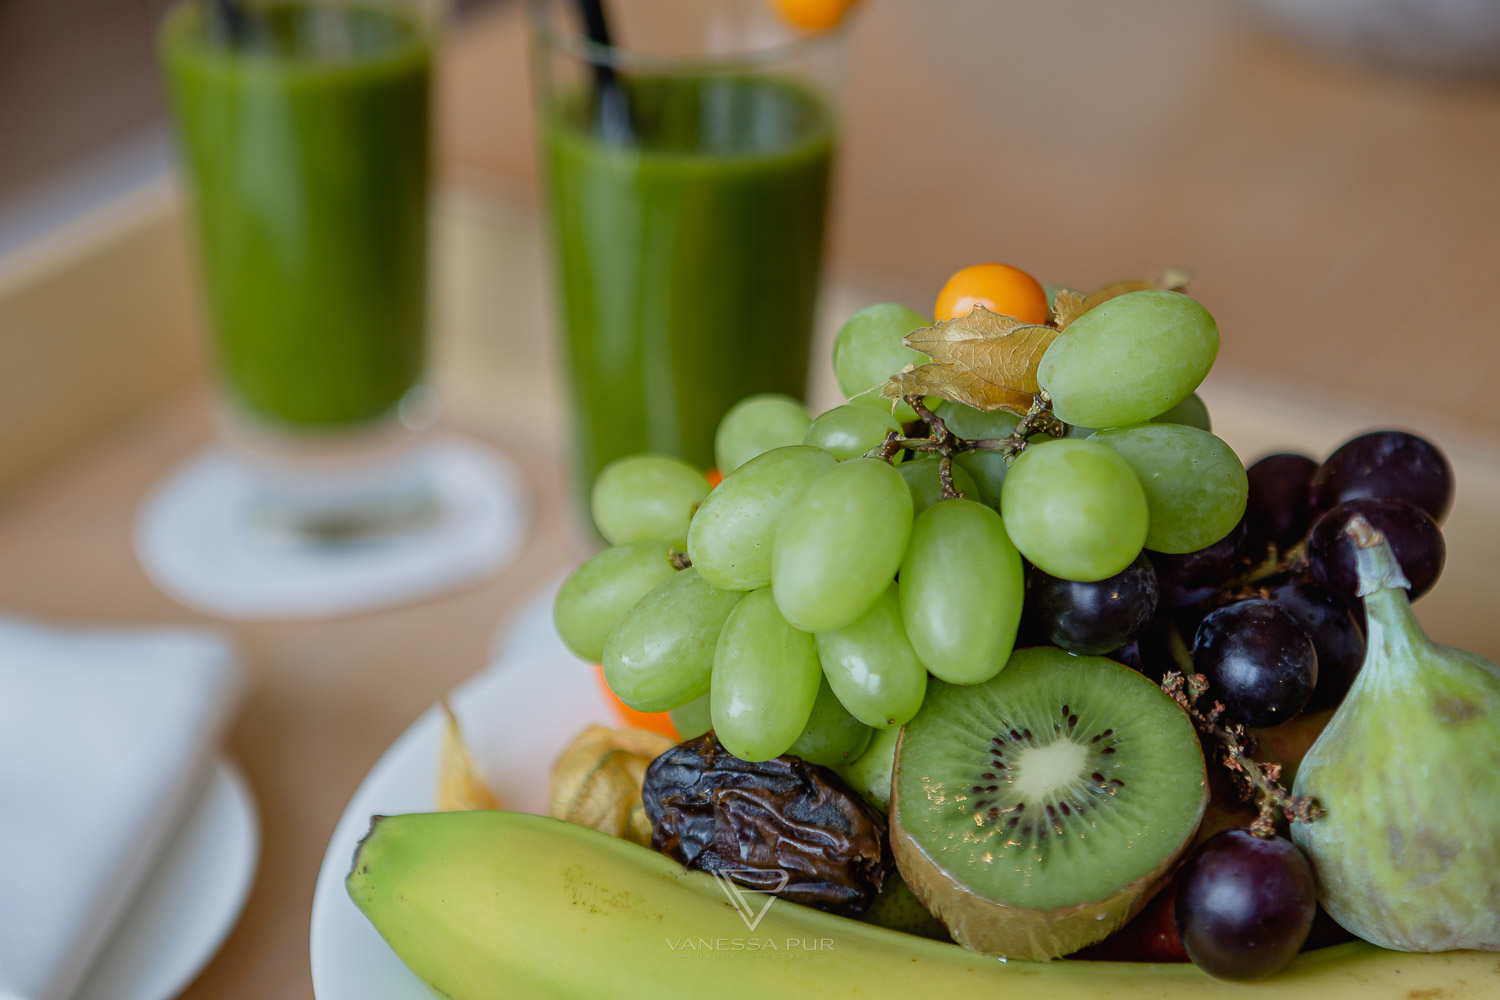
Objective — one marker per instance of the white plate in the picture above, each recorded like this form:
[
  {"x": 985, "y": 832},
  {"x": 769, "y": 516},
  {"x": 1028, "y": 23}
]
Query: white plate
[
  {"x": 518, "y": 715},
  {"x": 190, "y": 901}
]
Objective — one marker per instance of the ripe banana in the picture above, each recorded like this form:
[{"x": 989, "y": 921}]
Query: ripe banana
[{"x": 485, "y": 905}]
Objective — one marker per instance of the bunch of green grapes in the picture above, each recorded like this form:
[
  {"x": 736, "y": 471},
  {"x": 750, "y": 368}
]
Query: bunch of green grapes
[
  {"x": 1153, "y": 477},
  {"x": 803, "y": 602}
]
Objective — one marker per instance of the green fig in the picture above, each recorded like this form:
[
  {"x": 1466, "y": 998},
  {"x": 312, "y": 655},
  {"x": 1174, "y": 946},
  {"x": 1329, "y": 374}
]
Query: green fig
[{"x": 1407, "y": 854}]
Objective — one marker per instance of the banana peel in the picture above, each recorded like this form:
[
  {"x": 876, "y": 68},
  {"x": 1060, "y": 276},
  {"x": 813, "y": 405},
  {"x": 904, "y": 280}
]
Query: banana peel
[{"x": 491, "y": 905}]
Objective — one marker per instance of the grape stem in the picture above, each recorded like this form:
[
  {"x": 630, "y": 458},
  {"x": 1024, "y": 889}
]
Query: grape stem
[
  {"x": 1039, "y": 419},
  {"x": 1261, "y": 578},
  {"x": 679, "y": 560},
  {"x": 946, "y": 444},
  {"x": 1261, "y": 783}
]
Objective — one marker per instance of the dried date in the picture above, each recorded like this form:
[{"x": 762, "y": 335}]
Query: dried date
[{"x": 754, "y": 821}]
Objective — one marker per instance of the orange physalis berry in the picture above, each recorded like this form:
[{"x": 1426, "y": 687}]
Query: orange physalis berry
[
  {"x": 1000, "y": 288},
  {"x": 652, "y": 722},
  {"x": 813, "y": 15}
]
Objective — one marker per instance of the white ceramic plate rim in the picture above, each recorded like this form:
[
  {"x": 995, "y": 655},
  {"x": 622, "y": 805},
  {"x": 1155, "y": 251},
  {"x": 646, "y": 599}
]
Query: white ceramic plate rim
[{"x": 517, "y": 715}]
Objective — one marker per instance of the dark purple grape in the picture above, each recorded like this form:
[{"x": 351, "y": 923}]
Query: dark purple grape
[
  {"x": 1244, "y": 904},
  {"x": 1150, "y": 653},
  {"x": 1093, "y": 618},
  {"x": 1184, "y": 580},
  {"x": 1277, "y": 511},
  {"x": 1131, "y": 655},
  {"x": 1326, "y": 932},
  {"x": 1415, "y": 539},
  {"x": 1258, "y": 660},
  {"x": 1030, "y": 631},
  {"x": 1337, "y": 635},
  {"x": 1391, "y": 465}
]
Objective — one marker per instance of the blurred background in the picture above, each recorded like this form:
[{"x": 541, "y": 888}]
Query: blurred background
[
  {"x": 1327, "y": 169},
  {"x": 1341, "y": 216}
]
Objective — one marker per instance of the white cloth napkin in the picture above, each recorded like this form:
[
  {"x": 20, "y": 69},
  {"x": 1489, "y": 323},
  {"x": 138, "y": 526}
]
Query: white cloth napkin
[{"x": 105, "y": 735}]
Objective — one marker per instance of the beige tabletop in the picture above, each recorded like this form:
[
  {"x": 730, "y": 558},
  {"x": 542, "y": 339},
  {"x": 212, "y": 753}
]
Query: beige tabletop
[{"x": 1345, "y": 226}]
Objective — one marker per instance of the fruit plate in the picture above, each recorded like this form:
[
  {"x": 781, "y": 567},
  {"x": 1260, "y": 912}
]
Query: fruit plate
[
  {"x": 517, "y": 716},
  {"x": 526, "y": 707}
]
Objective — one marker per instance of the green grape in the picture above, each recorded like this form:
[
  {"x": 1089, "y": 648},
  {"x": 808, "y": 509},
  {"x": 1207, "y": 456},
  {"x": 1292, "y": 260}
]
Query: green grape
[
  {"x": 596, "y": 596},
  {"x": 987, "y": 471},
  {"x": 840, "y": 544},
  {"x": 1129, "y": 359},
  {"x": 1195, "y": 484},
  {"x": 961, "y": 591},
  {"x": 730, "y": 540},
  {"x": 1075, "y": 509},
  {"x": 662, "y": 655},
  {"x": 926, "y": 485},
  {"x": 868, "y": 351},
  {"x": 693, "y": 719},
  {"x": 647, "y": 498},
  {"x": 977, "y": 425},
  {"x": 850, "y": 430},
  {"x": 1191, "y": 412},
  {"x": 755, "y": 425},
  {"x": 870, "y": 773},
  {"x": 871, "y": 666},
  {"x": 765, "y": 680},
  {"x": 831, "y": 736}
]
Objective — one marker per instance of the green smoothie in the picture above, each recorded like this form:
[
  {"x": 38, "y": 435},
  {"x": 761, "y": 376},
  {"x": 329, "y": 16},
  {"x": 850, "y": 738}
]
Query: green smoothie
[
  {"x": 305, "y": 141},
  {"x": 688, "y": 256}
]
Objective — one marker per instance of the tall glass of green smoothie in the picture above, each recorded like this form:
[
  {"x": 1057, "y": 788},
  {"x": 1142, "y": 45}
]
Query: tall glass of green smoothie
[
  {"x": 687, "y": 169},
  {"x": 303, "y": 127}
]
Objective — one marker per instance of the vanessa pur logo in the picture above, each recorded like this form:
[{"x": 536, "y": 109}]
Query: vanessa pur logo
[
  {"x": 740, "y": 896},
  {"x": 752, "y": 905}
]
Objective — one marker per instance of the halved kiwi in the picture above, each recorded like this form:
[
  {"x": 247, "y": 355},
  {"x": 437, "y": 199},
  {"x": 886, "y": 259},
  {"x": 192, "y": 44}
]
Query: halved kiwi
[{"x": 1036, "y": 813}]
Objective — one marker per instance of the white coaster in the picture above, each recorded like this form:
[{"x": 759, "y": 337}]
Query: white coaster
[{"x": 195, "y": 543}]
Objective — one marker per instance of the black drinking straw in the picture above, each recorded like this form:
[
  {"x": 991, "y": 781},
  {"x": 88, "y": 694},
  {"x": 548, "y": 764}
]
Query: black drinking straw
[
  {"x": 230, "y": 16},
  {"x": 611, "y": 108}
]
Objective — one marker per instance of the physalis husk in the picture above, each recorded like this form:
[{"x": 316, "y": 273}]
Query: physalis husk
[
  {"x": 596, "y": 782},
  {"x": 459, "y": 785}
]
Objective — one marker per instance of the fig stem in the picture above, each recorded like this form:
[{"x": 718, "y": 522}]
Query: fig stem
[{"x": 1374, "y": 562}]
